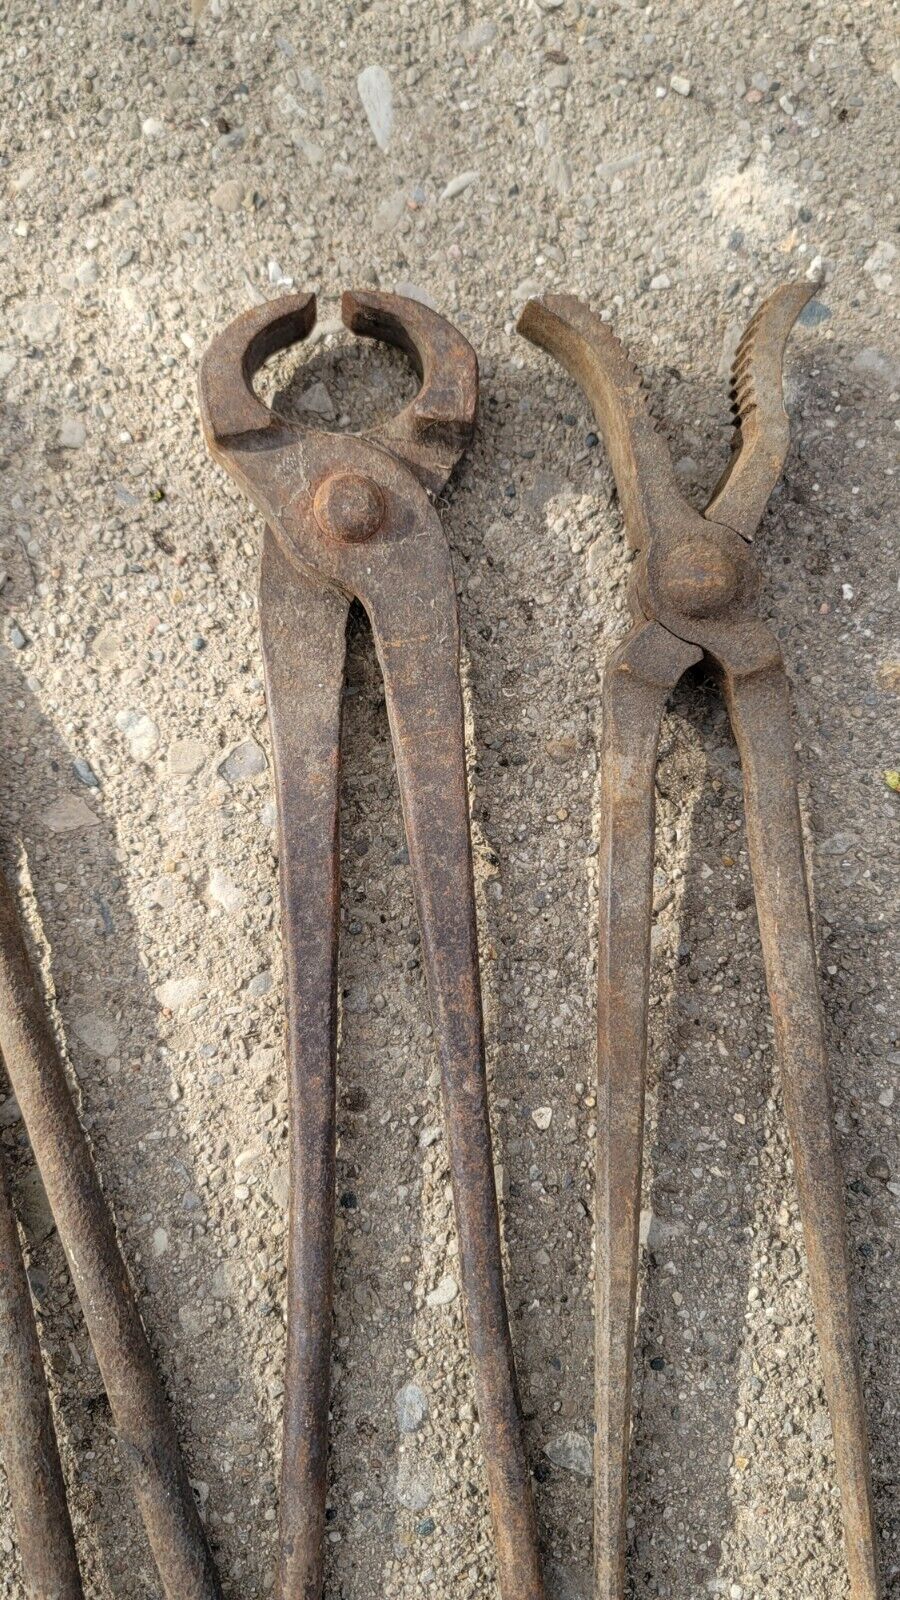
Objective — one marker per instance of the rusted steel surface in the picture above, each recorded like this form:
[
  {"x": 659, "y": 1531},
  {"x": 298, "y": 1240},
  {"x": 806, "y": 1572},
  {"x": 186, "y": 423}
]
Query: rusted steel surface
[
  {"x": 28, "y": 1449},
  {"x": 85, "y": 1226},
  {"x": 348, "y": 517},
  {"x": 692, "y": 598}
]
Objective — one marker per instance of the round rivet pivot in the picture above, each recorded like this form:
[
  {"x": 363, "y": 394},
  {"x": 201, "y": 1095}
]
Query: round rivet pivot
[
  {"x": 349, "y": 507},
  {"x": 699, "y": 578}
]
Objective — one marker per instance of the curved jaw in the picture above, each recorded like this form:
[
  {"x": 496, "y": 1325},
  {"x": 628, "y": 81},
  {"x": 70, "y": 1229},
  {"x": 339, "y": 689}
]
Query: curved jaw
[
  {"x": 230, "y": 409},
  {"x": 588, "y": 349},
  {"x": 763, "y": 432},
  {"x": 429, "y": 435}
]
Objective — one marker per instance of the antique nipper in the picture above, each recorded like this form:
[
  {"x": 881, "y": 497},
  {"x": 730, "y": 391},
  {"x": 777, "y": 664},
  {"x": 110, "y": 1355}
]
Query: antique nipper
[{"x": 349, "y": 517}]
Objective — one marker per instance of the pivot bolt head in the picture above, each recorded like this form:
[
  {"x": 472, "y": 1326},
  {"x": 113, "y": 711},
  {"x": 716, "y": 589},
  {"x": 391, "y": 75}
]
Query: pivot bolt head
[
  {"x": 349, "y": 507},
  {"x": 700, "y": 578}
]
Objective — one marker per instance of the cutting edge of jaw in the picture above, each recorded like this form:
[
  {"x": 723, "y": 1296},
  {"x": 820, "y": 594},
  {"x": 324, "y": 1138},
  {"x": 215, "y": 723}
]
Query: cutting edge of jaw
[{"x": 429, "y": 434}]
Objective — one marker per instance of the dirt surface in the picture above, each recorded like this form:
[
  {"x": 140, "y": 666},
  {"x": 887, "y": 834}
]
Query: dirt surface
[{"x": 672, "y": 163}]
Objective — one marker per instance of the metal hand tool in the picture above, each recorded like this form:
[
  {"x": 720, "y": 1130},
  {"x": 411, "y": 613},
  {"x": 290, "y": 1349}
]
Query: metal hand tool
[
  {"x": 87, "y": 1231},
  {"x": 348, "y": 517},
  {"x": 692, "y": 598},
  {"x": 28, "y": 1448}
]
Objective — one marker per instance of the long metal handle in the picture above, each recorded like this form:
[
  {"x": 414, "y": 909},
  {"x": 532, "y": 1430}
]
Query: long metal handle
[
  {"x": 303, "y": 635},
  {"x": 27, "y": 1437},
  {"x": 636, "y": 685},
  {"x": 760, "y": 714},
  {"x": 418, "y": 647},
  {"x": 86, "y": 1229}
]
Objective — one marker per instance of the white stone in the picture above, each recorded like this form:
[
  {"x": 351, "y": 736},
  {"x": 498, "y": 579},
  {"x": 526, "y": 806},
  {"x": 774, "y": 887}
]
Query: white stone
[
  {"x": 228, "y": 197},
  {"x": 559, "y": 174},
  {"x": 186, "y": 756},
  {"x": 884, "y": 255},
  {"x": 224, "y": 891},
  {"x": 444, "y": 1294},
  {"x": 72, "y": 434},
  {"x": 679, "y": 85},
  {"x": 177, "y": 992},
  {"x": 39, "y": 320},
  {"x": 317, "y": 400},
  {"x": 377, "y": 96},
  {"x": 415, "y": 1484},
  {"x": 572, "y": 1452},
  {"x": 140, "y": 731},
  {"x": 457, "y": 185},
  {"x": 411, "y": 1406},
  {"x": 542, "y": 1117}
]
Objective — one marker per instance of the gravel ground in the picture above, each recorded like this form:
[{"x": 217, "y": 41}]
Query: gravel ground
[{"x": 672, "y": 162}]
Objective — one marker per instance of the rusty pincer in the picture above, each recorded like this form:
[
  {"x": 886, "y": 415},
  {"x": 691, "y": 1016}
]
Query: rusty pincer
[
  {"x": 692, "y": 599},
  {"x": 350, "y": 518}
]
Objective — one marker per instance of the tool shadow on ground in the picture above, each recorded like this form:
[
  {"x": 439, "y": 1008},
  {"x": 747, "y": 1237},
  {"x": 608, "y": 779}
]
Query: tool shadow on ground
[{"x": 62, "y": 851}]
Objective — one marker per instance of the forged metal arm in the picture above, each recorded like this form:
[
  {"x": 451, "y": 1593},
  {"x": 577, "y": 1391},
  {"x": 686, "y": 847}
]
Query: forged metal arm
[
  {"x": 229, "y": 407},
  {"x": 303, "y": 626},
  {"x": 760, "y": 714},
  {"x": 417, "y": 639},
  {"x": 639, "y": 676},
  {"x": 87, "y": 1232}
]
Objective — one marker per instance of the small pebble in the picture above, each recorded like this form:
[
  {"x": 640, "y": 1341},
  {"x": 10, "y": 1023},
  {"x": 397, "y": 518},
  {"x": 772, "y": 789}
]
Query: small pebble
[
  {"x": 444, "y": 1294},
  {"x": 457, "y": 185},
  {"x": 140, "y": 731},
  {"x": 260, "y": 985},
  {"x": 411, "y": 1407},
  {"x": 571, "y": 1452},
  {"x": 245, "y": 761},
  {"x": 72, "y": 434},
  {"x": 70, "y": 814},
  {"x": 228, "y": 197},
  {"x": 85, "y": 773},
  {"x": 176, "y": 993}
]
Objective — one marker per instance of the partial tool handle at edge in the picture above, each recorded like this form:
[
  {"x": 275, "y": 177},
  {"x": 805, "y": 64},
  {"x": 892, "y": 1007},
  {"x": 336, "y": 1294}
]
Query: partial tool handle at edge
[
  {"x": 86, "y": 1229},
  {"x": 28, "y": 1447}
]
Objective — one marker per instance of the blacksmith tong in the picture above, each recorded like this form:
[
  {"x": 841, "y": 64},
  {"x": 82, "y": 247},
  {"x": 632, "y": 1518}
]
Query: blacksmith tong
[
  {"x": 350, "y": 518},
  {"x": 692, "y": 599}
]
